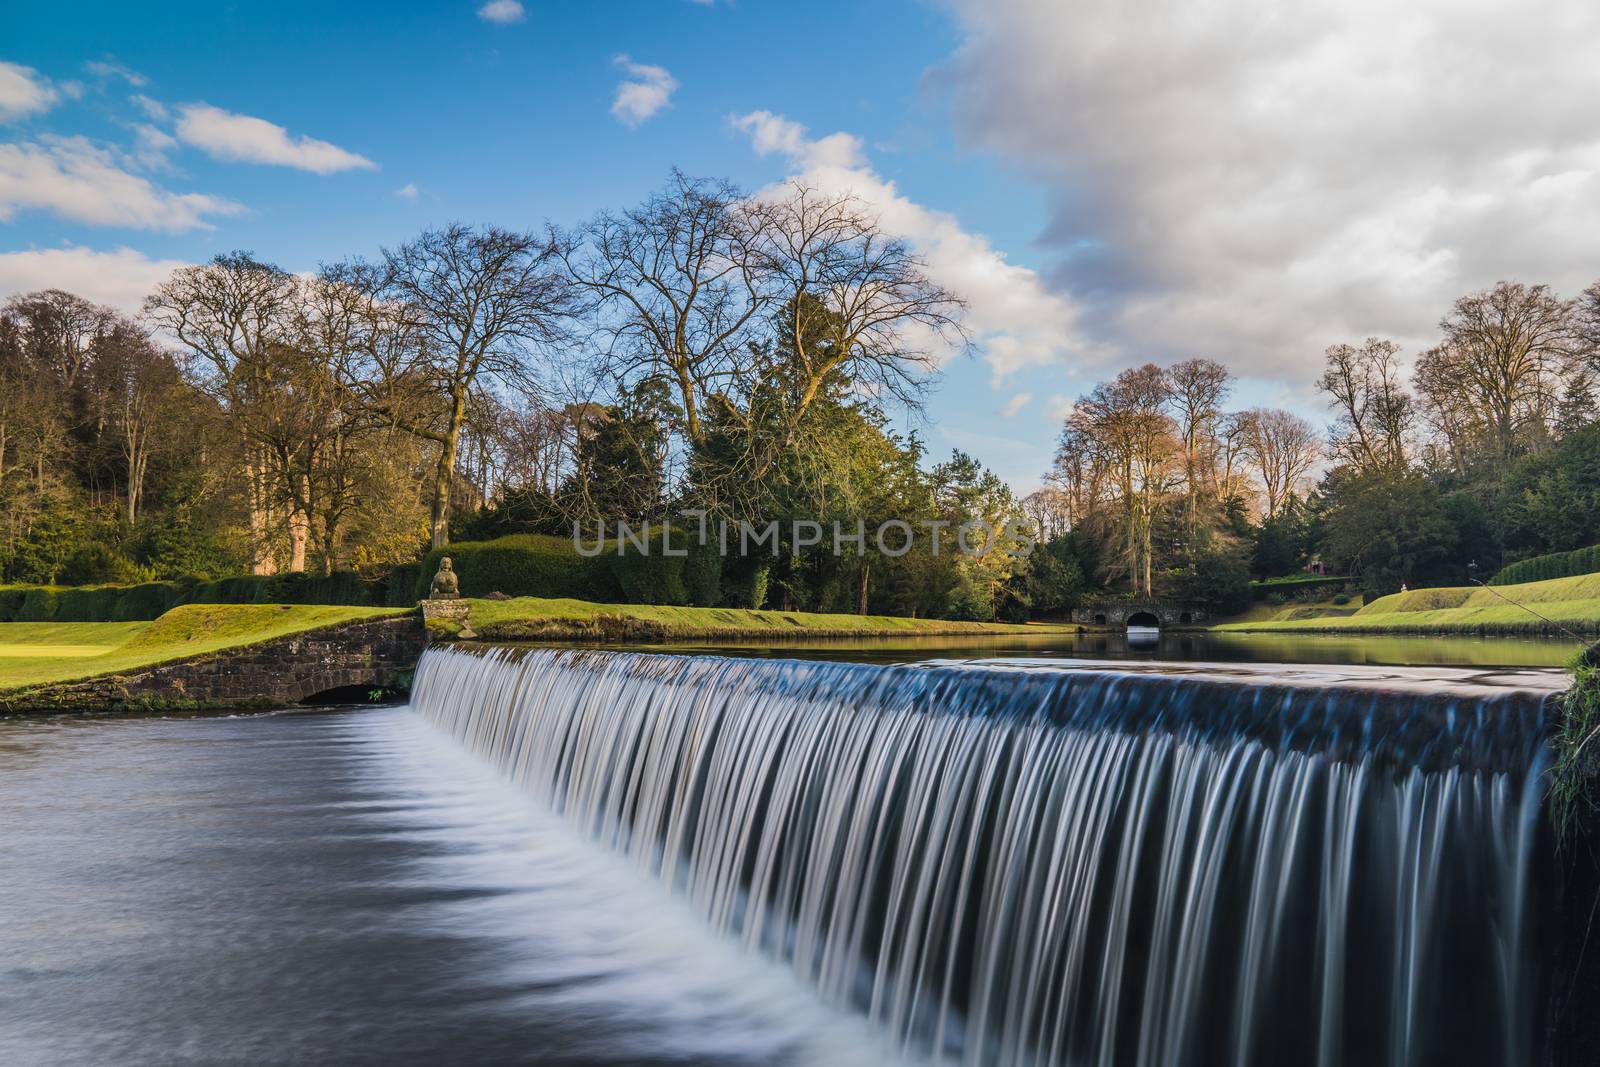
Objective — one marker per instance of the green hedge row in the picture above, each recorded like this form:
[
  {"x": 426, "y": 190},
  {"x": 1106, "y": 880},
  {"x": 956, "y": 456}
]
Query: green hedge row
[
  {"x": 523, "y": 565},
  {"x": 548, "y": 566},
  {"x": 135, "y": 603},
  {"x": 1260, "y": 590},
  {"x": 1556, "y": 565},
  {"x": 516, "y": 565}
]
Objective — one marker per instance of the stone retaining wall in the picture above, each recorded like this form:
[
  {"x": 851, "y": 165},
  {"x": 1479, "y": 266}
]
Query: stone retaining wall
[{"x": 282, "y": 672}]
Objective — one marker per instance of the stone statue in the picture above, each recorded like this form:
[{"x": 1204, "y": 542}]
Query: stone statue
[{"x": 445, "y": 586}]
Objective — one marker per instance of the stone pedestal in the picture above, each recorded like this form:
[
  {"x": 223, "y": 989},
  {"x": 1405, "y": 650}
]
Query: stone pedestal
[{"x": 448, "y": 611}]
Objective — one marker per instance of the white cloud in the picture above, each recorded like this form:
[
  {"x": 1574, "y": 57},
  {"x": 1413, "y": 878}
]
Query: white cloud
[
  {"x": 408, "y": 191},
  {"x": 76, "y": 179},
  {"x": 151, "y": 145},
  {"x": 154, "y": 109},
  {"x": 501, "y": 12},
  {"x": 1255, "y": 187},
  {"x": 645, "y": 91},
  {"x": 121, "y": 278},
  {"x": 1015, "y": 405},
  {"x": 1014, "y": 317},
  {"x": 107, "y": 69},
  {"x": 1058, "y": 407},
  {"x": 246, "y": 139},
  {"x": 23, "y": 92}
]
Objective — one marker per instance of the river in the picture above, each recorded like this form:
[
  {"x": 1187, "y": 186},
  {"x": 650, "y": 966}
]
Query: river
[{"x": 352, "y": 885}]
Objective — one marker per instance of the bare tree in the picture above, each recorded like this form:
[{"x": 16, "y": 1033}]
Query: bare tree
[
  {"x": 849, "y": 300},
  {"x": 1283, "y": 447},
  {"x": 1373, "y": 410},
  {"x": 137, "y": 387},
  {"x": 676, "y": 286},
  {"x": 1506, "y": 350},
  {"x": 60, "y": 329},
  {"x": 236, "y": 318},
  {"x": 1050, "y": 511},
  {"x": 484, "y": 300},
  {"x": 1198, "y": 389},
  {"x": 1124, "y": 425}
]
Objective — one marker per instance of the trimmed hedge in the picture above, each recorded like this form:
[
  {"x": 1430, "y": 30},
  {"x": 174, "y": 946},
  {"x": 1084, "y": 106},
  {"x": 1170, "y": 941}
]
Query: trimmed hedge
[
  {"x": 517, "y": 565},
  {"x": 138, "y": 603},
  {"x": 1555, "y": 565},
  {"x": 524, "y": 565},
  {"x": 402, "y": 590},
  {"x": 1260, "y": 590}
]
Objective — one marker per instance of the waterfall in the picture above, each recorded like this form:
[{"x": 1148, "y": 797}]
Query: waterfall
[{"x": 1004, "y": 864}]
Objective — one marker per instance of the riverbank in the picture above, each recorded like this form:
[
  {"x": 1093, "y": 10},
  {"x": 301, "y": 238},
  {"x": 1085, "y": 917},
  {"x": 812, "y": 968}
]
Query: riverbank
[
  {"x": 1545, "y": 607},
  {"x": 546, "y": 619},
  {"x": 41, "y": 654}
]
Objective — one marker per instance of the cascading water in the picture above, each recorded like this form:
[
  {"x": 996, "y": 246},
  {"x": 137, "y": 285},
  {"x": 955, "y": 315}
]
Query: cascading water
[{"x": 1005, "y": 865}]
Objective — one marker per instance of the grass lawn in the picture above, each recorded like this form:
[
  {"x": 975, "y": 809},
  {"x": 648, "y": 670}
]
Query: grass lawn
[
  {"x": 1572, "y": 602},
  {"x": 1316, "y": 609},
  {"x": 35, "y": 653},
  {"x": 533, "y": 618}
]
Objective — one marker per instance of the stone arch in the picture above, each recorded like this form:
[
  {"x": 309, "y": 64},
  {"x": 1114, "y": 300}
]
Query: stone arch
[
  {"x": 1143, "y": 618},
  {"x": 1100, "y": 618},
  {"x": 1185, "y": 618}
]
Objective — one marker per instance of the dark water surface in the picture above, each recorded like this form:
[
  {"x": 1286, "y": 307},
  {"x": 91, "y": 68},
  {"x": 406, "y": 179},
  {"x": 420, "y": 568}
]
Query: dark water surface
[{"x": 344, "y": 887}]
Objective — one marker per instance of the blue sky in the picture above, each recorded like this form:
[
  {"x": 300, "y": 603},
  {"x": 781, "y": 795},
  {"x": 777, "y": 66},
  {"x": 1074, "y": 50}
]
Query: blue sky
[{"x": 1105, "y": 185}]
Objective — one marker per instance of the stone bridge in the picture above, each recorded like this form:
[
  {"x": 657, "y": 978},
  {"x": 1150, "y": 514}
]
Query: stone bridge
[{"x": 1124, "y": 613}]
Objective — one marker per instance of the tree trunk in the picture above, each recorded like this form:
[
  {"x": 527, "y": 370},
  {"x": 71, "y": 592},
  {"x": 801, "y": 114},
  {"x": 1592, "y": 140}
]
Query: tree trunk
[
  {"x": 861, "y": 589},
  {"x": 261, "y": 558},
  {"x": 446, "y": 468}
]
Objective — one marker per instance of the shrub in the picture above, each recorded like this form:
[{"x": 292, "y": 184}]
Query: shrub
[
  {"x": 1554, "y": 565},
  {"x": 401, "y": 589},
  {"x": 40, "y": 604},
  {"x": 744, "y": 585},
  {"x": 702, "y": 575},
  {"x": 523, "y": 565},
  {"x": 97, "y": 564},
  {"x": 11, "y": 599},
  {"x": 652, "y": 579},
  {"x": 1219, "y": 582},
  {"x": 1341, "y": 599},
  {"x": 148, "y": 601},
  {"x": 97, "y": 603}
]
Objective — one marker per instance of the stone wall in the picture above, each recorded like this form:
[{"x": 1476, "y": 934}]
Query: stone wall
[{"x": 373, "y": 654}]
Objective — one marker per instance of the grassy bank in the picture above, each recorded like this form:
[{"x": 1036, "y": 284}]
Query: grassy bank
[
  {"x": 1296, "y": 611},
  {"x": 1570, "y": 602},
  {"x": 541, "y": 619},
  {"x": 40, "y": 653}
]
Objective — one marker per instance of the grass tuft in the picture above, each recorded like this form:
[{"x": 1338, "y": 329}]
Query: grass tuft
[{"x": 1576, "y": 770}]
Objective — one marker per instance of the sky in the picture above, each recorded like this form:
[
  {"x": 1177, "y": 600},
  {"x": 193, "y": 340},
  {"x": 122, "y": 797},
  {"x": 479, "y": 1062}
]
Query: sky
[{"x": 1105, "y": 183}]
